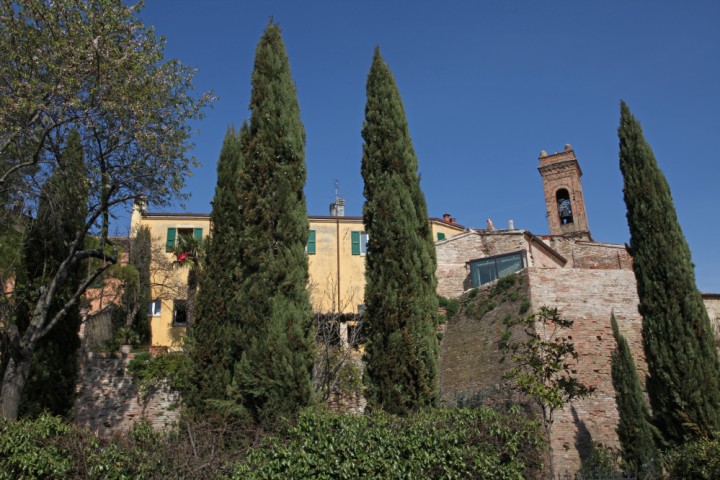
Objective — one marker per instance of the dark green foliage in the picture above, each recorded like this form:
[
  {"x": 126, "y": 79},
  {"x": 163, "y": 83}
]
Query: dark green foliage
[
  {"x": 150, "y": 371},
  {"x": 635, "y": 430},
  {"x": 438, "y": 444},
  {"x": 271, "y": 376},
  {"x": 136, "y": 293},
  {"x": 683, "y": 372},
  {"x": 450, "y": 305},
  {"x": 602, "y": 463},
  {"x": 696, "y": 460},
  {"x": 60, "y": 216},
  {"x": 213, "y": 339},
  {"x": 401, "y": 306}
]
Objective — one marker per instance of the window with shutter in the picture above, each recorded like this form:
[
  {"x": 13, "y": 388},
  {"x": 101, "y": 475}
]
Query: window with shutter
[
  {"x": 355, "y": 237},
  {"x": 170, "y": 243},
  {"x": 311, "y": 243}
]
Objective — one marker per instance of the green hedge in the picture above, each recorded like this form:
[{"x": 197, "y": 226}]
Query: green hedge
[
  {"x": 49, "y": 448},
  {"x": 437, "y": 444}
]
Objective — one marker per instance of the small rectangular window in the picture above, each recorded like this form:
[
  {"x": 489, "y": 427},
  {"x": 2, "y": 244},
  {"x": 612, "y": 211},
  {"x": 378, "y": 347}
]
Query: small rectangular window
[
  {"x": 311, "y": 243},
  {"x": 486, "y": 270},
  {"x": 441, "y": 236},
  {"x": 363, "y": 243},
  {"x": 180, "y": 312},
  {"x": 155, "y": 308}
]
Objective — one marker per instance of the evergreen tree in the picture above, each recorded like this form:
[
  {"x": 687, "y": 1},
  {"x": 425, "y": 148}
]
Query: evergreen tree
[
  {"x": 272, "y": 377},
  {"x": 683, "y": 372},
  {"x": 136, "y": 293},
  {"x": 60, "y": 215},
  {"x": 400, "y": 301},
  {"x": 635, "y": 430},
  {"x": 213, "y": 337}
]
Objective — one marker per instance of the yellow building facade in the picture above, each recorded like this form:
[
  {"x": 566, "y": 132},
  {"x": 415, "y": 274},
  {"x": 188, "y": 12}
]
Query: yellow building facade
[{"x": 336, "y": 261}]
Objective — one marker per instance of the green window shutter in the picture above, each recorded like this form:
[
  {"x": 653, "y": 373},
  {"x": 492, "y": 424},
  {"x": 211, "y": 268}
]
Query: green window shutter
[
  {"x": 170, "y": 245},
  {"x": 311, "y": 243},
  {"x": 355, "y": 243},
  {"x": 441, "y": 236},
  {"x": 197, "y": 233}
]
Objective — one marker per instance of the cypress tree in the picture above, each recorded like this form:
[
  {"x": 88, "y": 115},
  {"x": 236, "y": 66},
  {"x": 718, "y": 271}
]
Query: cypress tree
[
  {"x": 272, "y": 377},
  {"x": 400, "y": 301},
  {"x": 60, "y": 215},
  {"x": 213, "y": 337},
  {"x": 635, "y": 429},
  {"x": 136, "y": 296},
  {"x": 683, "y": 371}
]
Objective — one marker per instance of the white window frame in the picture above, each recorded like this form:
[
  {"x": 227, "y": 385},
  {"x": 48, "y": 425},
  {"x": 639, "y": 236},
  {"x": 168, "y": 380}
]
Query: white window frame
[{"x": 155, "y": 308}]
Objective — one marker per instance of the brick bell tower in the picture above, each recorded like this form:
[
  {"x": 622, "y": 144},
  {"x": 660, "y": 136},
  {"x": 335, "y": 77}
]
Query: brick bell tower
[{"x": 564, "y": 199}]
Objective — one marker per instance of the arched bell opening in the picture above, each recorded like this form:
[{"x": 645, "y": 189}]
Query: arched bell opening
[{"x": 564, "y": 206}]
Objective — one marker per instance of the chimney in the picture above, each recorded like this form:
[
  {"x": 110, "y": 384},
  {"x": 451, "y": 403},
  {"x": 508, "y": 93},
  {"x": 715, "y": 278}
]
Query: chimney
[
  {"x": 490, "y": 225},
  {"x": 511, "y": 225},
  {"x": 446, "y": 217},
  {"x": 337, "y": 209},
  {"x": 452, "y": 219}
]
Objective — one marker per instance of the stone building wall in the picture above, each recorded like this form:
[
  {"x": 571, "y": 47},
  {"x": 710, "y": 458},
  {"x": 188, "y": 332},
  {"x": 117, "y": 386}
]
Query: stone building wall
[
  {"x": 453, "y": 254},
  {"x": 595, "y": 255},
  {"x": 470, "y": 352},
  {"x": 470, "y": 359},
  {"x": 108, "y": 401},
  {"x": 589, "y": 297}
]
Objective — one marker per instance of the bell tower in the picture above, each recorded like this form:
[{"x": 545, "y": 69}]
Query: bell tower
[{"x": 564, "y": 199}]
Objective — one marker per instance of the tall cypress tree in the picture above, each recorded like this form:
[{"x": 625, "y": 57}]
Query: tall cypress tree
[
  {"x": 213, "y": 337},
  {"x": 272, "y": 377},
  {"x": 684, "y": 375},
  {"x": 61, "y": 214},
  {"x": 635, "y": 429},
  {"x": 400, "y": 301}
]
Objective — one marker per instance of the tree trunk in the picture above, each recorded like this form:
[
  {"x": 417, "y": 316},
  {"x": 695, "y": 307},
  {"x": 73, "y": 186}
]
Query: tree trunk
[{"x": 16, "y": 375}]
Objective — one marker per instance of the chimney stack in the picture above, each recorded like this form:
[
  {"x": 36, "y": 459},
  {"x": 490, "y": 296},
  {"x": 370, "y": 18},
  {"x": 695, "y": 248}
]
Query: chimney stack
[
  {"x": 446, "y": 217},
  {"x": 511, "y": 225},
  {"x": 337, "y": 209}
]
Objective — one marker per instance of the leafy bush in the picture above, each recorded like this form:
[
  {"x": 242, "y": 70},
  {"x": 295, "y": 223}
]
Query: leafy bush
[
  {"x": 149, "y": 371},
  {"x": 695, "y": 460},
  {"x": 450, "y": 305},
  {"x": 49, "y": 448},
  {"x": 28, "y": 449},
  {"x": 439, "y": 444}
]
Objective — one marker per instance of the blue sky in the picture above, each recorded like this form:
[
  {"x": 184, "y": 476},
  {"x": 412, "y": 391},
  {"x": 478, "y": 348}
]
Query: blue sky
[{"x": 486, "y": 86}]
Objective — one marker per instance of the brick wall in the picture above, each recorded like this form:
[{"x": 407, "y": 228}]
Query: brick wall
[
  {"x": 470, "y": 348},
  {"x": 452, "y": 272},
  {"x": 589, "y": 297},
  {"x": 108, "y": 401},
  {"x": 594, "y": 255},
  {"x": 470, "y": 360}
]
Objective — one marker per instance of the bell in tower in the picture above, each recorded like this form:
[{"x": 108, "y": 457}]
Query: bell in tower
[{"x": 564, "y": 200}]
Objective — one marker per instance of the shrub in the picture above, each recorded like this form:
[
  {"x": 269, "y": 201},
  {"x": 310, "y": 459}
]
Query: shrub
[
  {"x": 442, "y": 444},
  {"x": 694, "y": 460},
  {"x": 29, "y": 449}
]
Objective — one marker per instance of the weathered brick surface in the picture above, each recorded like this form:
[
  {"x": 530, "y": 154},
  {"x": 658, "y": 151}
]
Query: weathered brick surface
[
  {"x": 109, "y": 402},
  {"x": 470, "y": 355},
  {"x": 453, "y": 254},
  {"x": 588, "y": 297},
  {"x": 594, "y": 255},
  {"x": 470, "y": 360}
]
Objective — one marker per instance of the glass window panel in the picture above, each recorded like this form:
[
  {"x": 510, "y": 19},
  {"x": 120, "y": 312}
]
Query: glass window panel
[
  {"x": 509, "y": 264},
  {"x": 363, "y": 243},
  {"x": 486, "y": 271}
]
